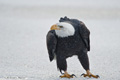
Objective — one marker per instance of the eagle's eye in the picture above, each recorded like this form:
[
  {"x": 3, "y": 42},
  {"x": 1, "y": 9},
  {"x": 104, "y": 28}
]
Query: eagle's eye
[{"x": 61, "y": 26}]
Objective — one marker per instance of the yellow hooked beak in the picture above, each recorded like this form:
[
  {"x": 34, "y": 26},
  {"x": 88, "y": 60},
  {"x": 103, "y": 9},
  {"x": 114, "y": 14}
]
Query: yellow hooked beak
[{"x": 54, "y": 27}]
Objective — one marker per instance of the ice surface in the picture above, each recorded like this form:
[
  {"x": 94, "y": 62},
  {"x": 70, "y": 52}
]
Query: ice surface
[{"x": 25, "y": 23}]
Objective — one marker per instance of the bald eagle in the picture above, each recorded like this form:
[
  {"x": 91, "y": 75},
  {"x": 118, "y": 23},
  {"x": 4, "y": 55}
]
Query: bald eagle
[{"x": 67, "y": 38}]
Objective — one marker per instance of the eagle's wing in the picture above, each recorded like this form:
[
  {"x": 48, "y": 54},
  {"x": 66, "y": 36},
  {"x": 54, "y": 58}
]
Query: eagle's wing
[
  {"x": 51, "y": 44},
  {"x": 85, "y": 34}
]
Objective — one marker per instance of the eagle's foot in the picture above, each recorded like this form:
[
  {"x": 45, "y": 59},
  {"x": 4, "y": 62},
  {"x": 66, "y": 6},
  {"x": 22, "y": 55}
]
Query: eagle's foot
[
  {"x": 89, "y": 75},
  {"x": 86, "y": 75},
  {"x": 67, "y": 76}
]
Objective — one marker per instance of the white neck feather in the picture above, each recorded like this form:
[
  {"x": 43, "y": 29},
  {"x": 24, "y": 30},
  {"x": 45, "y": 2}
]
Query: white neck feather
[{"x": 67, "y": 30}]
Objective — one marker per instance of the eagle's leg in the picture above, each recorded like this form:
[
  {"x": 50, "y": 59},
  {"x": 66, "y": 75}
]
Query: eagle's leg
[
  {"x": 62, "y": 66},
  {"x": 83, "y": 57}
]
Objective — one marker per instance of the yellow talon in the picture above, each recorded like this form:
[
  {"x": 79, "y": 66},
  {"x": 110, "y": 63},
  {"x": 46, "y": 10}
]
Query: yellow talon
[
  {"x": 90, "y": 75},
  {"x": 66, "y": 75},
  {"x": 94, "y": 76}
]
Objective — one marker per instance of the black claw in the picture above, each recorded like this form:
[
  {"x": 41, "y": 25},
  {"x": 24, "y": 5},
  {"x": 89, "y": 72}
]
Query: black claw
[
  {"x": 73, "y": 75},
  {"x": 98, "y": 76},
  {"x": 82, "y": 74}
]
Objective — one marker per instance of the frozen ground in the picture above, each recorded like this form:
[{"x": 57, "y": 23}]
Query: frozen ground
[{"x": 25, "y": 23}]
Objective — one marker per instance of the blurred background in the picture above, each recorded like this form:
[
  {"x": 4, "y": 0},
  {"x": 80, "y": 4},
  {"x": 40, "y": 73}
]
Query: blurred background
[
  {"x": 25, "y": 23},
  {"x": 54, "y": 9}
]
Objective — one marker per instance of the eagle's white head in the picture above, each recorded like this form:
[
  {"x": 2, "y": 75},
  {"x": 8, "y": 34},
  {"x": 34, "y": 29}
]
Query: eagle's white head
[{"x": 63, "y": 29}]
